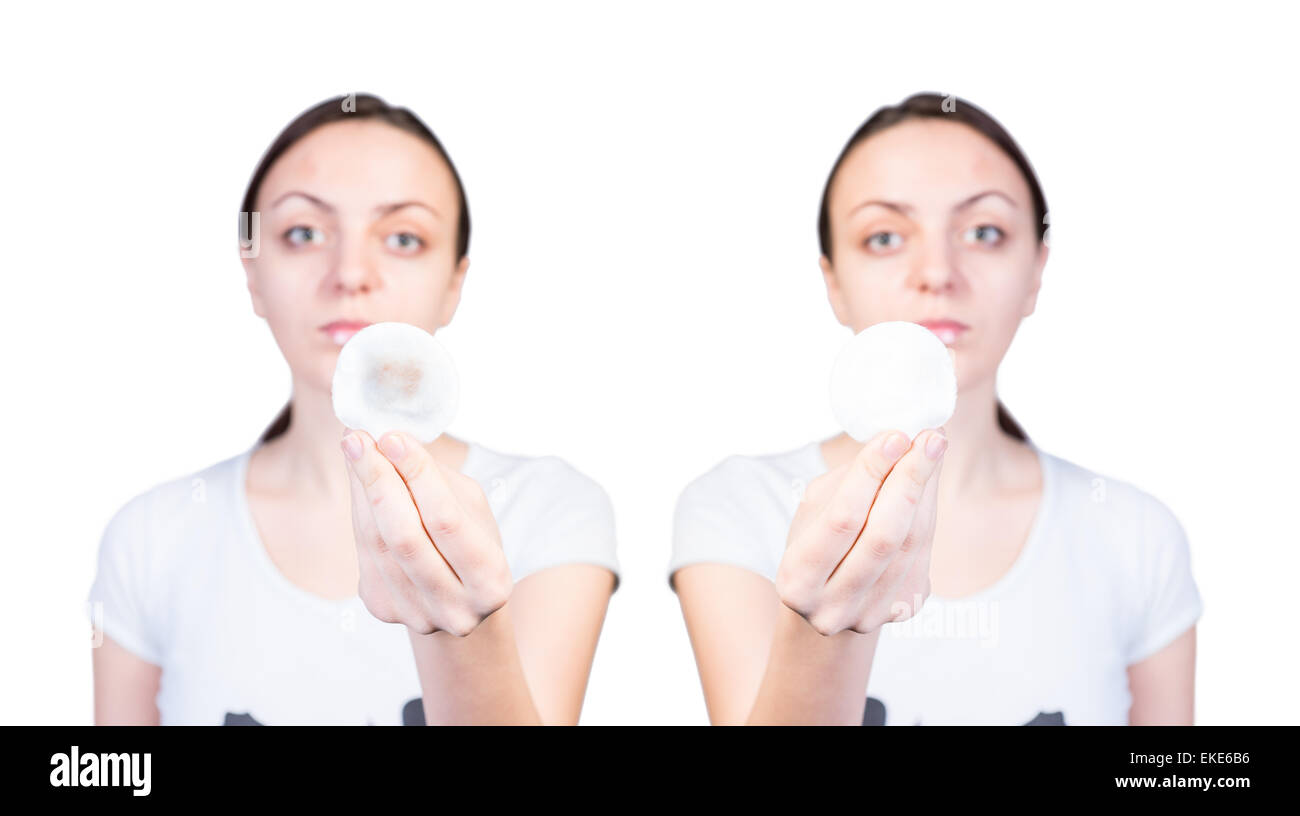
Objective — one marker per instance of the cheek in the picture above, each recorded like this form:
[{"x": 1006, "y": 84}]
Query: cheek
[
  {"x": 1000, "y": 286},
  {"x": 288, "y": 297},
  {"x": 416, "y": 292},
  {"x": 872, "y": 288},
  {"x": 284, "y": 293},
  {"x": 997, "y": 297}
]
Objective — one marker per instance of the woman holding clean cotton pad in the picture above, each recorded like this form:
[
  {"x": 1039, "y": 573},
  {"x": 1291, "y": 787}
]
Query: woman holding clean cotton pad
[
  {"x": 366, "y": 578},
  {"x": 963, "y": 576}
]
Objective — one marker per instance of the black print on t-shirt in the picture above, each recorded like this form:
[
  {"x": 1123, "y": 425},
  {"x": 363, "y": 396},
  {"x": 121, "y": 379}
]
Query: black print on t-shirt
[
  {"x": 874, "y": 714},
  {"x": 412, "y": 714}
]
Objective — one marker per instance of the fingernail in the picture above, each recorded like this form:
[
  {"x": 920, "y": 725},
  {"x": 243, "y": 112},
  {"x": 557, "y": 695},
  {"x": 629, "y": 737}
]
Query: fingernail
[
  {"x": 895, "y": 444},
  {"x": 937, "y": 445},
  {"x": 391, "y": 445},
  {"x": 352, "y": 447}
]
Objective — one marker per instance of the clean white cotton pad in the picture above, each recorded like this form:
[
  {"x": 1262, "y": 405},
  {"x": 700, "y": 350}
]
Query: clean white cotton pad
[
  {"x": 395, "y": 377},
  {"x": 894, "y": 375}
]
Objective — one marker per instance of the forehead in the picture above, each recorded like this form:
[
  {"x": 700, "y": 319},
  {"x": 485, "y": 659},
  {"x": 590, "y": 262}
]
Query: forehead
[
  {"x": 928, "y": 163},
  {"x": 359, "y": 165}
]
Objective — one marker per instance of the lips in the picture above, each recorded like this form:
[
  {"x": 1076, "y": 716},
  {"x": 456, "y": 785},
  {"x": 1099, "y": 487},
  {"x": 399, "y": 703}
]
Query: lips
[
  {"x": 946, "y": 329},
  {"x": 340, "y": 331}
]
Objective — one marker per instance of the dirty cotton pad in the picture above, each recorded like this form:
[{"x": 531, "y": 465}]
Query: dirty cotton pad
[{"x": 395, "y": 377}]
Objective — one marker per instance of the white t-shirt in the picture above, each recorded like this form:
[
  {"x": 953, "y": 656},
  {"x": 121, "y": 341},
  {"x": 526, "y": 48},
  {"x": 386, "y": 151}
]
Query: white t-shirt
[
  {"x": 1103, "y": 581},
  {"x": 185, "y": 583}
]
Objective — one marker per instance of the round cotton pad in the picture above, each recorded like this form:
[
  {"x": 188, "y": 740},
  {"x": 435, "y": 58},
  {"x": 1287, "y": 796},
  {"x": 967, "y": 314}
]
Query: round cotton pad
[
  {"x": 395, "y": 377},
  {"x": 894, "y": 375}
]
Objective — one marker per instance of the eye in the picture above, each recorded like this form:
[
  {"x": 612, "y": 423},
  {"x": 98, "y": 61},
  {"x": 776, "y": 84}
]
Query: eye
[
  {"x": 981, "y": 234},
  {"x": 888, "y": 243},
  {"x": 301, "y": 235},
  {"x": 406, "y": 242}
]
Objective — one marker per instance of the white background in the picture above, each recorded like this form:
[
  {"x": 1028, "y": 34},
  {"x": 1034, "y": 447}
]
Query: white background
[{"x": 644, "y": 297}]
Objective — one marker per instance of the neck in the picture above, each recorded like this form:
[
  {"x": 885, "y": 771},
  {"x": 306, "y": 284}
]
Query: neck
[
  {"x": 980, "y": 454},
  {"x": 307, "y": 459}
]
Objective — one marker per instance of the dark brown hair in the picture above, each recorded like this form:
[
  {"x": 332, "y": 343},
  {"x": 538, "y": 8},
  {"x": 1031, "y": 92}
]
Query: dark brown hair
[
  {"x": 346, "y": 108},
  {"x": 955, "y": 109}
]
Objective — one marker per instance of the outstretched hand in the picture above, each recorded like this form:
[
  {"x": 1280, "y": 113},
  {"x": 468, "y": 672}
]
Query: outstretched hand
[
  {"x": 429, "y": 548},
  {"x": 858, "y": 552}
]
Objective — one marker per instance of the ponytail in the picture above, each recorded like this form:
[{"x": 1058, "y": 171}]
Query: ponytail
[
  {"x": 279, "y": 425},
  {"x": 1008, "y": 423}
]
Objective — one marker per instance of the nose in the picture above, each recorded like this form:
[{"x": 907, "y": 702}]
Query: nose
[
  {"x": 934, "y": 267},
  {"x": 353, "y": 268}
]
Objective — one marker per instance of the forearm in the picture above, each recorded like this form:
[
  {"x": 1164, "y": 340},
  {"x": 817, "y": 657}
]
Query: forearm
[
  {"x": 477, "y": 679},
  {"x": 813, "y": 679}
]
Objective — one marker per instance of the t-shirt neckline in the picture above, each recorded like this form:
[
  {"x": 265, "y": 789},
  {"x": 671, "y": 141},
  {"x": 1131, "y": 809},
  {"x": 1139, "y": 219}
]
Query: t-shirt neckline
[
  {"x": 1037, "y": 529},
  {"x": 256, "y": 548}
]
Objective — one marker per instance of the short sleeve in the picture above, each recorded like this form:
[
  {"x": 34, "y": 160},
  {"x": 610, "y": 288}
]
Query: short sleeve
[
  {"x": 576, "y": 525},
  {"x": 119, "y": 602},
  {"x": 718, "y": 519},
  {"x": 1170, "y": 601}
]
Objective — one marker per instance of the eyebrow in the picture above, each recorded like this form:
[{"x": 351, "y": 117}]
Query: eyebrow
[
  {"x": 382, "y": 209},
  {"x": 313, "y": 199},
  {"x": 385, "y": 209},
  {"x": 905, "y": 209}
]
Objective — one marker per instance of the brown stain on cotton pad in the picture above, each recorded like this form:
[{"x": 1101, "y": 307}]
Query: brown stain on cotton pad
[
  {"x": 395, "y": 380},
  {"x": 395, "y": 376}
]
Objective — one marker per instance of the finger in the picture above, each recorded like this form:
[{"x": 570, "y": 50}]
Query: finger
[
  {"x": 422, "y": 591},
  {"x": 832, "y": 532},
  {"x": 443, "y": 514},
  {"x": 908, "y": 572},
  {"x": 381, "y": 581},
  {"x": 918, "y": 547},
  {"x": 897, "y": 592},
  {"x": 813, "y": 498},
  {"x": 921, "y": 534},
  {"x": 893, "y": 513},
  {"x": 401, "y": 538},
  {"x": 897, "y": 595},
  {"x": 876, "y": 601}
]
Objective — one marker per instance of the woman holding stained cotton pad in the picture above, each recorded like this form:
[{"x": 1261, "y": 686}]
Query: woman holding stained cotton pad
[
  {"x": 932, "y": 565},
  {"x": 357, "y": 564}
]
